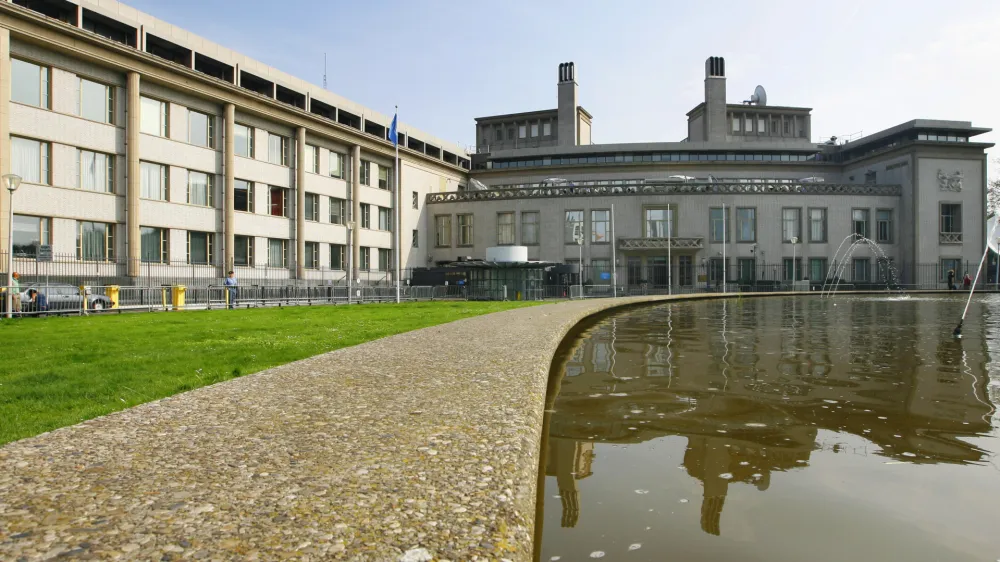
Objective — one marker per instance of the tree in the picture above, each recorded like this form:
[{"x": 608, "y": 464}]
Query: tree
[{"x": 993, "y": 194}]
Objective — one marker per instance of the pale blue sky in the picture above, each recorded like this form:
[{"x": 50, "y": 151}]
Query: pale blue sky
[{"x": 861, "y": 65}]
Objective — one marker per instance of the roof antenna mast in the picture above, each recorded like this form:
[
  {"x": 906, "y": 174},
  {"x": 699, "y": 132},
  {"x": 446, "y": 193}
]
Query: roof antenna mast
[{"x": 324, "y": 71}]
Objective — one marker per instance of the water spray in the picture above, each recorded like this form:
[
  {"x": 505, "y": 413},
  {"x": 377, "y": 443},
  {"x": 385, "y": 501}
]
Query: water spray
[{"x": 958, "y": 329}]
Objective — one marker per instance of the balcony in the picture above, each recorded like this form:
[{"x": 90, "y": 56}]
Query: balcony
[
  {"x": 632, "y": 244},
  {"x": 950, "y": 238}
]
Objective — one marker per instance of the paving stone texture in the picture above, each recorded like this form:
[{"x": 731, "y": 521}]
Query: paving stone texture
[{"x": 421, "y": 446}]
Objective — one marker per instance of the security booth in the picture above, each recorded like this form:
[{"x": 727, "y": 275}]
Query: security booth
[{"x": 505, "y": 274}]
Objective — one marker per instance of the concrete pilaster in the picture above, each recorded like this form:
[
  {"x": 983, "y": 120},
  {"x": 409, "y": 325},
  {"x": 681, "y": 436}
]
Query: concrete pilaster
[
  {"x": 132, "y": 175},
  {"x": 300, "y": 202},
  {"x": 4, "y": 139},
  {"x": 356, "y": 208},
  {"x": 230, "y": 185}
]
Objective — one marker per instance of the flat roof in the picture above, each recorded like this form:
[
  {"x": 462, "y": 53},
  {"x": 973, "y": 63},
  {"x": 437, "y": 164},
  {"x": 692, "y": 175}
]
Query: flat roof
[{"x": 964, "y": 127}]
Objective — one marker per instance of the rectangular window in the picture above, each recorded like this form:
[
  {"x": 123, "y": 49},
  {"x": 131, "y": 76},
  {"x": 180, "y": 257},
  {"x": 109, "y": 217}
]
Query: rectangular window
[
  {"x": 791, "y": 220},
  {"x": 416, "y": 200},
  {"x": 600, "y": 226},
  {"x": 95, "y": 171},
  {"x": 243, "y": 196},
  {"x": 201, "y": 188},
  {"x": 154, "y": 119},
  {"x": 338, "y": 253},
  {"x": 154, "y": 181},
  {"x": 522, "y": 131},
  {"x": 792, "y": 269},
  {"x": 951, "y": 218},
  {"x": 788, "y": 127},
  {"x": 870, "y": 177},
  {"x": 529, "y": 228},
  {"x": 885, "y": 270},
  {"x": 859, "y": 219},
  {"x": 29, "y": 234},
  {"x": 277, "y": 252},
  {"x": 761, "y": 125},
  {"x": 746, "y": 269},
  {"x": 29, "y": 83},
  {"x": 364, "y": 258},
  {"x": 366, "y": 172},
  {"x": 154, "y": 242},
  {"x": 748, "y": 124},
  {"x": 534, "y": 129},
  {"x": 312, "y": 207},
  {"x": 383, "y": 177},
  {"x": 312, "y": 158},
  {"x": 277, "y": 149},
  {"x": 817, "y": 225},
  {"x": 311, "y": 255},
  {"x": 337, "y": 208},
  {"x": 366, "y": 215},
  {"x": 720, "y": 227},
  {"x": 883, "y": 225},
  {"x": 384, "y": 259},
  {"x": 95, "y": 101},
  {"x": 278, "y": 202},
  {"x": 546, "y": 129},
  {"x": 505, "y": 229},
  {"x": 510, "y": 133},
  {"x": 201, "y": 129},
  {"x": 95, "y": 241},
  {"x": 243, "y": 251},
  {"x": 736, "y": 124},
  {"x": 30, "y": 159},
  {"x": 415, "y": 241},
  {"x": 336, "y": 165},
  {"x": 659, "y": 222},
  {"x": 385, "y": 218},
  {"x": 442, "y": 231},
  {"x": 746, "y": 224},
  {"x": 243, "y": 139},
  {"x": 861, "y": 268},
  {"x": 200, "y": 246},
  {"x": 465, "y": 230},
  {"x": 817, "y": 269},
  {"x": 573, "y": 228}
]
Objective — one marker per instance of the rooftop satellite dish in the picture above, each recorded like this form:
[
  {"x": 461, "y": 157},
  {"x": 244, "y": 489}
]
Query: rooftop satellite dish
[{"x": 759, "y": 96}]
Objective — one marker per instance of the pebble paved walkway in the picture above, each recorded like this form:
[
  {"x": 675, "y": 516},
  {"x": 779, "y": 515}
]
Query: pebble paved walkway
[{"x": 421, "y": 446}]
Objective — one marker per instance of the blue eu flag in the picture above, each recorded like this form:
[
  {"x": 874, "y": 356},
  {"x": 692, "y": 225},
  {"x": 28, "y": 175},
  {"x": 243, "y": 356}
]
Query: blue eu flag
[{"x": 392, "y": 131}]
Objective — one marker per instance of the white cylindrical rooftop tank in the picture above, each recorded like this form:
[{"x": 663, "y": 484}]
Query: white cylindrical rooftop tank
[{"x": 507, "y": 254}]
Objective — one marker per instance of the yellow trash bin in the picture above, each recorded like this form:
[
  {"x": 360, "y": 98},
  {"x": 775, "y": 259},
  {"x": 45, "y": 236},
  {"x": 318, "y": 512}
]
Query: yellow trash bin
[
  {"x": 83, "y": 297},
  {"x": 113, "y": 295},
  {"x": 177, "y": 292}
]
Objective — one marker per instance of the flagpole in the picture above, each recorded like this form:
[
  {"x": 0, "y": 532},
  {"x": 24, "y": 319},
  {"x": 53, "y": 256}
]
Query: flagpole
[
  {"x": 614, "y": 257},
  {"x": 670, "y": 259},
  {"x": 399, "y": 213}
]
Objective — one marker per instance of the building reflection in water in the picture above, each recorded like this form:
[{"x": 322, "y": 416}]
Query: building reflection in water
[{"x": 750, "y": 384}]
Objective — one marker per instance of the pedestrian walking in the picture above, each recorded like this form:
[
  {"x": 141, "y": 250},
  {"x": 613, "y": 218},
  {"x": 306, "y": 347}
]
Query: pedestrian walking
[
  {"x": 231, "y": 284},
  {"x": 951, "y": 280},
  {"x": 15, "y": 295}
]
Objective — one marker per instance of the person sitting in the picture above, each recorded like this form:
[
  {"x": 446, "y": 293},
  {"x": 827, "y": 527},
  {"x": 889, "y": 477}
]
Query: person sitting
[{"x": 37, "y": 302}]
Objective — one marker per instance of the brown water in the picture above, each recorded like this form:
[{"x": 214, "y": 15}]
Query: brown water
[{"x": 778, "y": 429}]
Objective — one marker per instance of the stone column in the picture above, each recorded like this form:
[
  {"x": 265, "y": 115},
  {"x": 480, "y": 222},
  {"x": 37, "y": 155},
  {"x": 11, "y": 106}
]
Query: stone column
[
  {"x": 4, "y": 142},
  {"x": 229, "y": 213},
  {"x": 356, "y": 208},
  {"x": 300, "y": 202},
  {"x": 133, "y": 181}
]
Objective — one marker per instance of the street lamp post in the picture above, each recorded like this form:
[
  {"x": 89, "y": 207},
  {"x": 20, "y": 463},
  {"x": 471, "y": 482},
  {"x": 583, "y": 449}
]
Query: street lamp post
[
  {"x": 795, "y": 240},
  {"x": 11, "y": 182},
  {"x": 350, "y": 259}
]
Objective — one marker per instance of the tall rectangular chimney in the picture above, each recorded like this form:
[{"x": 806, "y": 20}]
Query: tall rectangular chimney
[
  {"x": 715, "y": 99},
  {"x": 567, "y": 130}
]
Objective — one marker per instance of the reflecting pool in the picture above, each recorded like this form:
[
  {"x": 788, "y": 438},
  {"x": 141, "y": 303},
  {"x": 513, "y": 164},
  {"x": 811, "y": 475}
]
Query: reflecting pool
[{"x": 777, "y": 429}]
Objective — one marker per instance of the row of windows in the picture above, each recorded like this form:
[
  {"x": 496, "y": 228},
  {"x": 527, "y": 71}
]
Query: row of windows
[
  {"x": 660, "y": 222},
  {"x": 749, "y": 124},
  {"x": 31, "y": 85},
  {"x": 657, "y": 157},
  {"x": 534, "y": 129}
]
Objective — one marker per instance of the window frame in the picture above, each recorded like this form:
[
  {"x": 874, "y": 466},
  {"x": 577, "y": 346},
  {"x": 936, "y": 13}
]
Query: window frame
[
  {"x": 824, "y": 222},
  {"x": 364, "y": 258},
  {"x": 739, "y": 225},
  {"x": 310, "y": 255},
  {"x": 671, "y": 220},
  {"x": 506, "y": 232},
  {"x": 109, "y": 101},
  {"x": 311, "y": 200},
  {"x": 44, "y": 160},
  {"x": 569, "y": 231},
  {"x": 109, "y": 241},
  {"x": 282, "y": 148},
  {"x": 466, "y": 231},
  {"x": 890, "y": 226},
  {"x": 209, "y": 186},
  {"x": 365, "y": 210},
  {"x": 44, "y": 84},
  {"x": 724, "y": 219},
  {"x": 385, "y": 219},
  {"x": 956, "y": 220},
  {"x": 365, "y": 173},
  {"x": 385, "y": 262},
  {"x": 163, "y": 114},
  {"x": 339, "y": 264},
  {"x": 209, "y": 125},
  {"x": 312, "y": 156},
  {"x": 164, "y": 174},
  {"x": 341, "y": 206},
  {"x": 284, "y": 253},
  {"x": 416, "y": 200},
  {"x": 250, "y": 242},
  {"x": 209, "y": 247},
  {"x": 250, "y": 141},
  {"x": 593, "y": 226},
  {"x": 163, "y": 244},
  {"x": 786, "y": 237},
  {"x": 251, "y": 195},
  {"x": 415, "y": 239},
  {"x": 383, "y": 182},
  {"x": 445, "y": 222},
  {"x": 44, "y": 234},
  {"x": 340, "y": 166},
  {"x": 534, "y": 227},
  {"x": 867, "y": 221},
  {"x": 109, "y": 179}
]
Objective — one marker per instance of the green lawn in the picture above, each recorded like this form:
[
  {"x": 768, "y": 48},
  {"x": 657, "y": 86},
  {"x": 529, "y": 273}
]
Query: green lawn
[{"x": 59, "y": 371}]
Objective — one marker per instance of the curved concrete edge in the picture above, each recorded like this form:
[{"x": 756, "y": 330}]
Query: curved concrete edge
[{"x": 424, "y": 445}]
